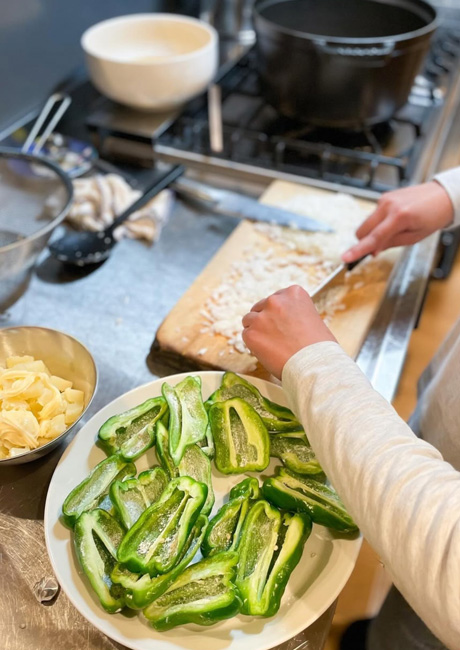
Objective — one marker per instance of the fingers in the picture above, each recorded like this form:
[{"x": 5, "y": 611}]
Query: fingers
[
  {"x": 259, "y": 306},
  {"x": 364, "y": 247},
  {"x": 372, "y": 221},
  {"x": 249, "y": 318}
]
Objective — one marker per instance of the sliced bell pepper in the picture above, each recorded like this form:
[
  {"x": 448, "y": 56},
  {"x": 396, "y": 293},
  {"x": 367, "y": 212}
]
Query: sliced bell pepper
[
  {"x": 204, "y": 594},
  {"x": 270, "y": 548},
  {"x": 130, "y": 498},
  {"x": 240, "y": 436},
  {"x": 285, "y": 471},
  {"x": 298, "y": 434},
  {"x": 207, "y": 444},
  {"x": 163, "y": 454},
  {"x": 141, "y": 590},
  {"x": 197, "y": 465},
  {"x": 224, "y": 530},
  {"x": 154, "y": 543},
  {"x": 97, "y": 538},
  {"x": 296, "y": 454},
  {"x": 319, "y": 501},
  {"x": 188, "y": 419},
  {"x": 133, "y": 432},
  {"x": 94, "y": 487},
  {"x": 248, "y": 487},
  {"x": 275, "y": 416}
]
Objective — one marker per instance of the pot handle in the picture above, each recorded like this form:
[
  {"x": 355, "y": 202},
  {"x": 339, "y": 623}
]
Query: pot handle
[{"x": 355, "y": 50}]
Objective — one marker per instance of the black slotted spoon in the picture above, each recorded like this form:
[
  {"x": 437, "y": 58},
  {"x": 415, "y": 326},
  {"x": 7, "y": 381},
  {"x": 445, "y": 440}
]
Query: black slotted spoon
[{"x": 83, "y": 248}]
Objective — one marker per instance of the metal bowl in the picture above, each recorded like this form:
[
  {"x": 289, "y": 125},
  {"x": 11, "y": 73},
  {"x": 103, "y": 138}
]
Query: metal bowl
[
  {"x": 64, "y": 356},
  {"x": 35, "y": 196}
]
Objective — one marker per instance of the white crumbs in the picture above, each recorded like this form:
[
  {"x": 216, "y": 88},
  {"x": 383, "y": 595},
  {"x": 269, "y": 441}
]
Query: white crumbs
[{"x": 292, "y": 257}]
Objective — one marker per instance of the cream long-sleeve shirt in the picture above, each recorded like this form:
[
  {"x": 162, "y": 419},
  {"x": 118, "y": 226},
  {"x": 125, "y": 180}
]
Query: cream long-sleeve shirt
[{"x": 402, "y": 490}]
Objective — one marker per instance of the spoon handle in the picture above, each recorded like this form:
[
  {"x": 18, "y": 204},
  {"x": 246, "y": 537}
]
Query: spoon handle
[{"x": 152, "y": 190}]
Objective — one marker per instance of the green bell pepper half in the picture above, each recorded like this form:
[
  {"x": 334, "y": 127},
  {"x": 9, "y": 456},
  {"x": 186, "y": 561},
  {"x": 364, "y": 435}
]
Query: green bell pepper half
[
  {"x": 319, "y": 501},
  {"x": 155, "y": 542},
  {"x": 133, "y": 432},
  {"x": 240, "y": 436},
  {"x": 141, "y": 590},
  {"x": 97, "y": 538},
  {"x": 188, "y": 419},
  {"x": 207, "y": 444},
  {"x": 90, "y": 492},
  {"x": 163, "y": 454},
  {"x": 224, "y": 530},
  {"x": 296, "y": 454},
  {"x": 130, "y": 498},
  {"x": 197, "y": 465},
  {"x": 270, "y": 548},
  {"x": 275, "y": 416},
  {"x": 248, "y": 487},
  {"x": 204, "y": 594}
]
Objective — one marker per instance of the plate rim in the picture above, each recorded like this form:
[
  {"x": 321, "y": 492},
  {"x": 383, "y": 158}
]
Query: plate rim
[{"x": 49, "y": 524}]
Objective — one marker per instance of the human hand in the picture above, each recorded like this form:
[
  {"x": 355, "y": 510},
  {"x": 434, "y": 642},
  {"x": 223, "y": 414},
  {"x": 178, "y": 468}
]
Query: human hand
[
  {"x": 281, "y": 325},
  {"x": 403, "y": 217}
]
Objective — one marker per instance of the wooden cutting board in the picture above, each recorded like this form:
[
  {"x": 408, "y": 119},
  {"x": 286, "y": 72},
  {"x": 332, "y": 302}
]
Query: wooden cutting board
[{"x": 181, "y": 344}]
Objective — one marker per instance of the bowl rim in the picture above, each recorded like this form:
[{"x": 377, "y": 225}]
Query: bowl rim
[
  {"x": 49, "y": 227},
  {"x": 152, "y": 17},
  {"x": 96, "y": 380}
]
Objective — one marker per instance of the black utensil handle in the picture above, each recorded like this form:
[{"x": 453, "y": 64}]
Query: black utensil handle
[
  {"x": 351, "y": 265},
  {"x": 152, "y": 190}
]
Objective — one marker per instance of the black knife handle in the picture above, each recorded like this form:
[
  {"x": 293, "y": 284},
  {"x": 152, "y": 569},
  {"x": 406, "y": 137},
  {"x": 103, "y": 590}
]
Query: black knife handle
[{"x": 351, "y": 265}]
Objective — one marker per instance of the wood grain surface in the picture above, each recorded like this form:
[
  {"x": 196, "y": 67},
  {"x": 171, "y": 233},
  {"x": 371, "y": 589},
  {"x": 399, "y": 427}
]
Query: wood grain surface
[{"x": 181, "y": 344}]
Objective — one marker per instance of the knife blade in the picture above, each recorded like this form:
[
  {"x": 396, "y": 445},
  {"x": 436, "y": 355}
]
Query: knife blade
[
  {"x": 244, "y": 207},
  {"x": 335, "y": 279}
]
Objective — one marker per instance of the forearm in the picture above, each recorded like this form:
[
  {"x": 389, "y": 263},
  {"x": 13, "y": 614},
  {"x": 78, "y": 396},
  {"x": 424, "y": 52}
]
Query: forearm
[
  {"x": 450, "y": 180},
  {"x": 402, "y": 494}
]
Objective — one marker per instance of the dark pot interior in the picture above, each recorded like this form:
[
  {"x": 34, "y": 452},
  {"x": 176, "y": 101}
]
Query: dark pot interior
[{"x": 353, "y": 19}]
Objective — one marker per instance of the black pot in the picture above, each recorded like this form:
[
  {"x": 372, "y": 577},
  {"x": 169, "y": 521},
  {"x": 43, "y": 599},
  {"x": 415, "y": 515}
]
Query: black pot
[{"x": 341, "y": 63}]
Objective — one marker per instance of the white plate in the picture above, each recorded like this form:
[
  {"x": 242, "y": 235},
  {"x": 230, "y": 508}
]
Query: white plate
[{"x": 314, "y": 585}]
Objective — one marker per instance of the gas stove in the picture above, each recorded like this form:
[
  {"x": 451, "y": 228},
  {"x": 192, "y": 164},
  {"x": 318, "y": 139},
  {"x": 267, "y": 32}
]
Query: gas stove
[{"x": 258, "y": 142}]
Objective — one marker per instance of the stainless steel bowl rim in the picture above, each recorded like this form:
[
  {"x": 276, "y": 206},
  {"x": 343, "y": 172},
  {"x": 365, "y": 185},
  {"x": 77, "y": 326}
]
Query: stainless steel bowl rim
[
  {"x": 66, "y": 432},
  {"x": 13, "y": 153}
]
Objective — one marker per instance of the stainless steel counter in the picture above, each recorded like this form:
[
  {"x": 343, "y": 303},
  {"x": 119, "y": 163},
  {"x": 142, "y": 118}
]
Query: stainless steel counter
[{"x": 115, "y": 310}]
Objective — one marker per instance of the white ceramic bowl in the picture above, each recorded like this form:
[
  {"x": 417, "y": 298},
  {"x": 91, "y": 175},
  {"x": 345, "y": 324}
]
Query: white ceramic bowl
[{"x": 151, "y": 62}]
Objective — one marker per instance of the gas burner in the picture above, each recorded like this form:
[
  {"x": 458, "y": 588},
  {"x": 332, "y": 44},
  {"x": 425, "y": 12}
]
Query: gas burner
[{"x": 257, "y": 137}]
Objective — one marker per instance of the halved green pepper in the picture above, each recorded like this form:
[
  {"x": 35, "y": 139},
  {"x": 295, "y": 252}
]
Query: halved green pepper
[
  {"x": 141, "y": 590},
  {"x": 133, "y": 432},
  {"x": 163, "y": 454},
  {"x": 204, "y": 594},
  {"x": 130, "y": 498},
  {"x": 319, "y": 501},
  {"x": 97, "y": 538},
  {"x": 224, "y": 530},
  {"x": 207, "y": 444},
  {"x": 155, "y": 542},
  {"x": 296, "y": 454},
  {"x": 240, "y": 436},
  {"x": 270, "y": 548},
  {"x": 188, "y": 419},
  {"x": 197, "y": 465},
  {"x": 275, "y": 416},
  {"x": 94, "y": 487}
]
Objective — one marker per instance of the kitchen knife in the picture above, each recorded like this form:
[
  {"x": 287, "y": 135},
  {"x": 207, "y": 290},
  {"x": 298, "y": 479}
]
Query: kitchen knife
[
  {"x": 335, "y": 279},
  {"x": 245, "y": 207}
]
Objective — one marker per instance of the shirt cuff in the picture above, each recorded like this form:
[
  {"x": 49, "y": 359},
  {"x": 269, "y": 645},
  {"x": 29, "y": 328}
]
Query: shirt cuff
[{"x": 450, "y": 181}]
